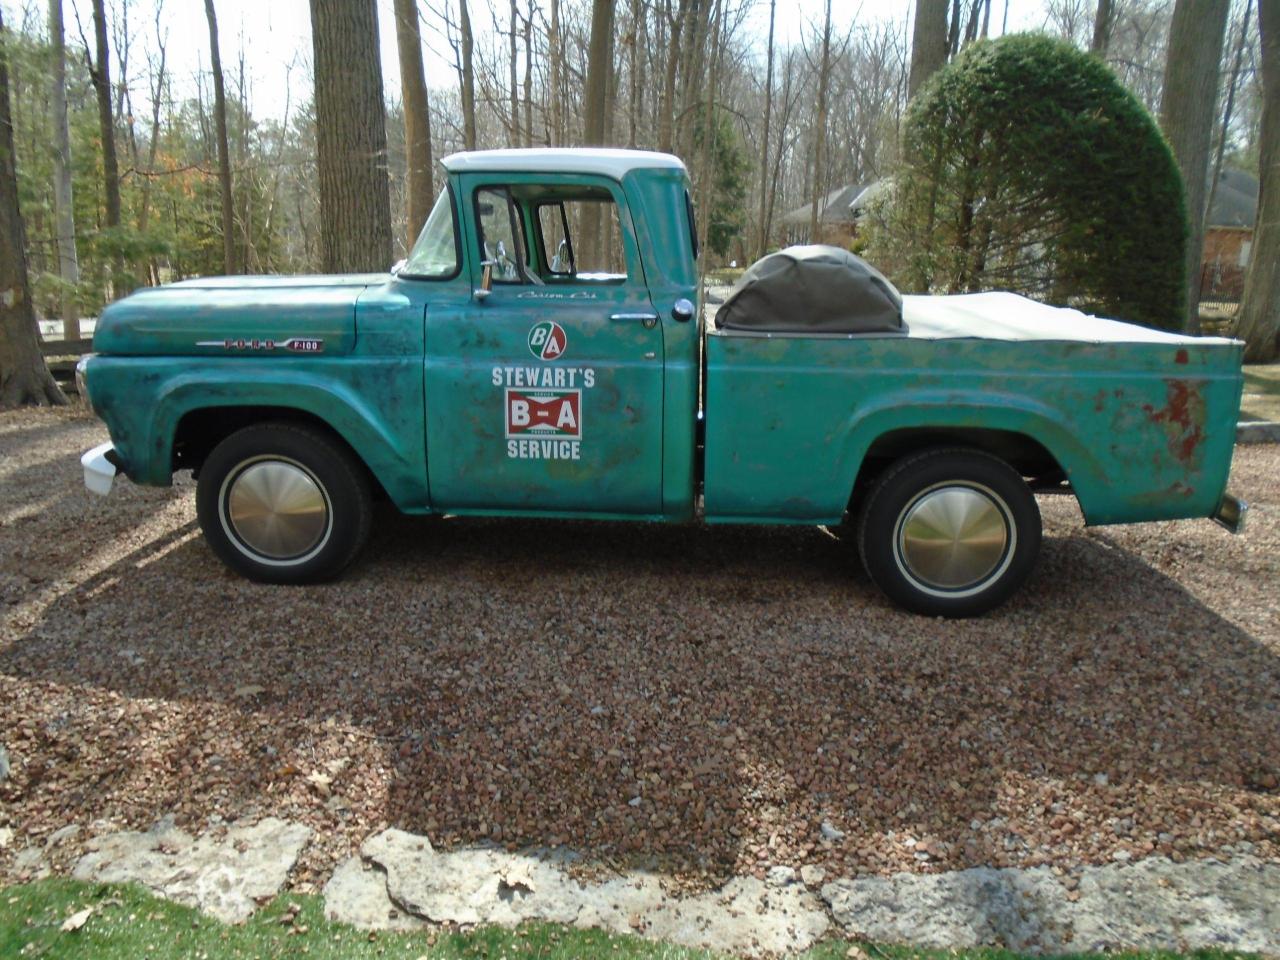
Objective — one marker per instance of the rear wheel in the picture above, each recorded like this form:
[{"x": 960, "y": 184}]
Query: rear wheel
[
  {"x": 949, "y": 532},
  {"x": 284, "y": 503}
]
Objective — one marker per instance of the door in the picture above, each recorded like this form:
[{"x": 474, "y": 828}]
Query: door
[{"x": 545, "y": 393}]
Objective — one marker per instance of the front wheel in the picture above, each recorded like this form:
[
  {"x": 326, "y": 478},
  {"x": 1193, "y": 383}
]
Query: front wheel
[
  {"x": 949, "y": 532},
  {"x": 283, "y": 503}
]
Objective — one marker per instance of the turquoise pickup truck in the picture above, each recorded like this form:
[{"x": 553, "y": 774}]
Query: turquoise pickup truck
[{"x": 541, "y": 353}]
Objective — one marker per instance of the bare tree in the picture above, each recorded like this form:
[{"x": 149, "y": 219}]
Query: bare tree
[
  {"x": 929, "y": 42},
  {"x": 555, "y": 66},
  {"x": 1259, "y": 320},
  {"x": 666, "y": 109},
  {"x": 417, "y": 118},
  {"x": 1228, "y": 108},
  {"x": 1103, "y": 22},
  {"x": 224, "y": 154},
  {"x": 1186, "y": 117},
  {"x": 762, "y": 237},
  {"x": 351, "y": 137},
  {"x": 68, "y": 261},
  {"x": 599, "y": 67},
  {"x": 24, "y": 376},
  {"x": 820, "y": 126},
  {"x": 100, "y": 75},
  {"x": 468, "y": 84}
]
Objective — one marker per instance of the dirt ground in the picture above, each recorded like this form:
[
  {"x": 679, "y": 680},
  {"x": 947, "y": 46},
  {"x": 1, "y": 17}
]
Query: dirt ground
[{"x": 706, "y": 701}]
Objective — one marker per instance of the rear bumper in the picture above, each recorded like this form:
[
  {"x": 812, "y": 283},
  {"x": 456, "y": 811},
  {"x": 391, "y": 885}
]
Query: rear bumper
[
  {"x": 1231, "y": 513},
  {"x": 100, "y": 468}
]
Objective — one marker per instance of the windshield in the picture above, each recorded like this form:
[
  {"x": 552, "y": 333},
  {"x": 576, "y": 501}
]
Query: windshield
[{"x": 435, "y": 255}]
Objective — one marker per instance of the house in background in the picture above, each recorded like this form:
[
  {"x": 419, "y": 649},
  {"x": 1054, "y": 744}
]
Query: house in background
[
  {"x": 1228, "y": 237},
  {"x": 837, "y": 223}
]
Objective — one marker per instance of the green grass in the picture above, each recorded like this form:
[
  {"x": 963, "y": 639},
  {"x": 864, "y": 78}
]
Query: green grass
[
  {"x": 128, "y": 923},
  {"x": 1261, "y": 399}
]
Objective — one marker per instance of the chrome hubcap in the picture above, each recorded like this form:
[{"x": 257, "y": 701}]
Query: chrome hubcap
[
  {"x": 277, "y": 510},
  {"x": 952, "y": 537}
]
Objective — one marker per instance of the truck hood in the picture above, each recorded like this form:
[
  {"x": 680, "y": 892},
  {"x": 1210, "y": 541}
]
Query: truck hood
[{"x": 223, "y": 316}]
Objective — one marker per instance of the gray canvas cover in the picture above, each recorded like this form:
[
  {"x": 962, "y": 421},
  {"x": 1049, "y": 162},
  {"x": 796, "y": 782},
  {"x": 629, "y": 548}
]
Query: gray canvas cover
[{"x": 812, "y": 289}]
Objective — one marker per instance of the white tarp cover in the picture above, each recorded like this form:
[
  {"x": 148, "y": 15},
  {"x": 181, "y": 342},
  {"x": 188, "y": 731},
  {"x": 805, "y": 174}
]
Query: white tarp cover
[{"x": 1008, "y": 316}]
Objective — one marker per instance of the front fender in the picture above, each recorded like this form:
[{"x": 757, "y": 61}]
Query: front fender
[{"x": 376, "y": 410}]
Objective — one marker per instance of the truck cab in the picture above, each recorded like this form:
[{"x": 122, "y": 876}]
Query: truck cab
[{"x": 541, "y": 352}]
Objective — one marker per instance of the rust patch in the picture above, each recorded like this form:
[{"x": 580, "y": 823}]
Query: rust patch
[
  {"x": 1182, "y": 417},
  {"x": 1181, "y": 357}
]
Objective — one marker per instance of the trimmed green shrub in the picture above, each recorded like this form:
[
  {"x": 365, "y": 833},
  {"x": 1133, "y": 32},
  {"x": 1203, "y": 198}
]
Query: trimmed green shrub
[{"x": 1029, "y": 167}]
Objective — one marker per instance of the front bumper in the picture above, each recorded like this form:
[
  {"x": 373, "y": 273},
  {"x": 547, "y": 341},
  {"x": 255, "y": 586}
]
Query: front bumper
[
  {"x": 1231, "y": 513},
  {"x": 100, "y": 468}
]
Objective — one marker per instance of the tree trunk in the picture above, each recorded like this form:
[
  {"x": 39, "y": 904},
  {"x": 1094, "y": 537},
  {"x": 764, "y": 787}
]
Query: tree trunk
[
  {"x": 468, "y": 92},
  {"x": 599, "y": 66},
  {"x": 68, "y": 260},
  {"x": 666, "y": 113},
  {"x": 224, "y": 152},
  {"x": 1187, "y": 107},
  {"x": 1259, "y": 321},
  {"x": 100, "y": 75},
  {"x": 1228, "y": 110},
  {"x": 528, "y": 77},
  {"x": 633, "y": 74},
  {"x": 351, "y": 137},
  {"x": 513, "y": 61},
  {"x": 928, "y": 42},
  {"x": 710, "y": 129},
  {"x": 555, "y": 55},
  {"x": 24, "y": 376},
  {"x": 1103, "y": 21},
  {"x": 820, "y": 139},
  {"x": 417, "y": 119},
  {"x": 762, "y": 240}
]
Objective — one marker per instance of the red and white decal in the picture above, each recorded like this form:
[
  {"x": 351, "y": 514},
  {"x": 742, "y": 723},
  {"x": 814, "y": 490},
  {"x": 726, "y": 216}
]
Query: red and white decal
[{"x": 544, "y": 413}]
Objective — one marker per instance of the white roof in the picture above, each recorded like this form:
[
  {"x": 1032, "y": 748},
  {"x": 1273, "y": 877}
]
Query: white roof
[{"x": 605, "y": 162}]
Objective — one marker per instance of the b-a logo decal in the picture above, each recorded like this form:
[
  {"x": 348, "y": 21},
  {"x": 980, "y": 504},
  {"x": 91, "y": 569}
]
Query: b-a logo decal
[
  {"x": 544, "y": 413},
  {"x": 547, "y": 340}
]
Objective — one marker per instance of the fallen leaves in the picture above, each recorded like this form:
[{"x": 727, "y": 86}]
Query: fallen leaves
[{"x": 702, "y": 700}]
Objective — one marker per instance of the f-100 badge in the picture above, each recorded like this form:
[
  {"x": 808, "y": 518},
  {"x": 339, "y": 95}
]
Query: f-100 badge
[
  {"x": 292, "y": 344},
  {"x": 547, "y": 340}
]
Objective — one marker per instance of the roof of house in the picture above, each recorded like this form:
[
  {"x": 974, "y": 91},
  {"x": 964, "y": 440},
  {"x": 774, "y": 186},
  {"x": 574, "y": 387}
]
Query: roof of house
[
  {"x": 833, "y": 208},
  {"x": 605, "y": 162},
  {"x": 1235, "y": 202}
]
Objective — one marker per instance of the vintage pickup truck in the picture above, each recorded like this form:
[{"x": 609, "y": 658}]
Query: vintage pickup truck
[{"x": 541, "y": 353}]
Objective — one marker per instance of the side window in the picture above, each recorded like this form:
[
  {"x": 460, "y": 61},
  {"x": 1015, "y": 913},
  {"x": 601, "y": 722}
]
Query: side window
[
  {"x": 498, "y": 217},
  {"x": 582, "y": 240},
  {"x": 693, "y": 223}
]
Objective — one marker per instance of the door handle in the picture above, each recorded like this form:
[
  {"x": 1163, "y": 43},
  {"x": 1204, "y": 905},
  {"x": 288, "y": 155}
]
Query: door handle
[{"x": 649, "y": 320}]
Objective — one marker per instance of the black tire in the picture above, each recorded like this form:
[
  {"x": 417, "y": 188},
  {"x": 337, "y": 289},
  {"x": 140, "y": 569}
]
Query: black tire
[
  {"x": 925, "y": 572},
  {"x": 339, "y": 505}
]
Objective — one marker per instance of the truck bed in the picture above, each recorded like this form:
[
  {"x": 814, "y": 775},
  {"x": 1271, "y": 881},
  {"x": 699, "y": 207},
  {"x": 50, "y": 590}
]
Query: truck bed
[{"x": 1141, "y": 421}]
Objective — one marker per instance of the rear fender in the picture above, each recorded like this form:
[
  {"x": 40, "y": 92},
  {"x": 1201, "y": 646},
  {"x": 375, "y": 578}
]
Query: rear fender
[{"x": 951, "y": 410}]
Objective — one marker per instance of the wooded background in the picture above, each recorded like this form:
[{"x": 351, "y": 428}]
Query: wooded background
[{"x": 122, "y": 180}]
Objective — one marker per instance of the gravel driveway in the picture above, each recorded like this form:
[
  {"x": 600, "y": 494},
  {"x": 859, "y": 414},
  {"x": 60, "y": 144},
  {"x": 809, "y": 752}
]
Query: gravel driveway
[{"x": 700, "y": 700}]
